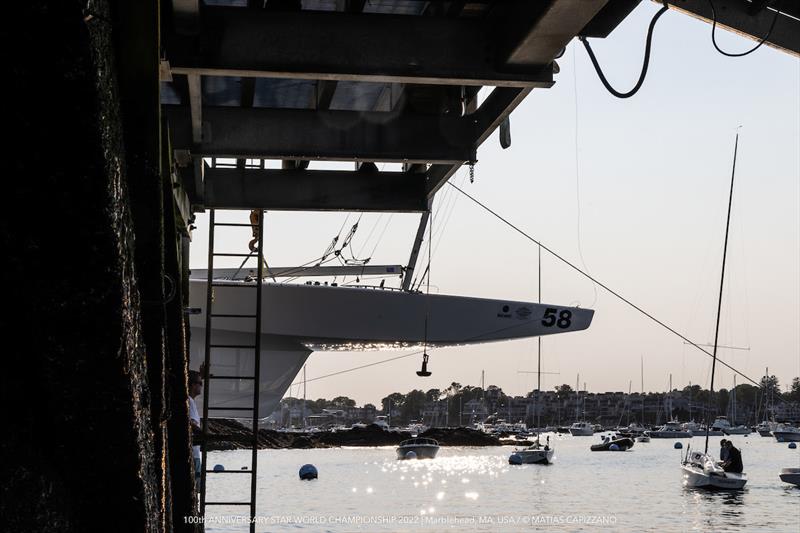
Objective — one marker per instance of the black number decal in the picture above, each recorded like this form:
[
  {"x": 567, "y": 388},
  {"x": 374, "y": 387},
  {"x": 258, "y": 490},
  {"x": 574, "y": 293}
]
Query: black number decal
[
  {"x": 564, "y": 319},
  {"x": 549, "y": 319}
]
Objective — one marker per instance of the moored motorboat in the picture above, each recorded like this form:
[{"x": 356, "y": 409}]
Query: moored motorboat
[
  {"x": 701, "y": 472},
  {"x": 581, "y": 429},
  {"x": 790, "y": 475},
  {"x": 418, "y": 448},
  {"x": 786, "y": 433},
  {"x": 616, "y": 444},
  {"x": 670, "y": 430}
]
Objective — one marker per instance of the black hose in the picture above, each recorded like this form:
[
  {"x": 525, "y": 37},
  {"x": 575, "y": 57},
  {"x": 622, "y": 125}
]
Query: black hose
[{"x": 644, "y": 66}]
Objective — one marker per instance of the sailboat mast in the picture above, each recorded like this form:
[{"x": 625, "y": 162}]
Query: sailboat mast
[
  {"x": 539, "y": 350},
  {"x": 722, "y": 277},
  {"x": 642, "y": 367}
]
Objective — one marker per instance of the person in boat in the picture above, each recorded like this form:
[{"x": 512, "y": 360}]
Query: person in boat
[
  {"x": 734, "y": 460},
  {"x": 195, "y": 388},
  {"x": 723, "y": 451},
  {"x": 547, "y": 445}
]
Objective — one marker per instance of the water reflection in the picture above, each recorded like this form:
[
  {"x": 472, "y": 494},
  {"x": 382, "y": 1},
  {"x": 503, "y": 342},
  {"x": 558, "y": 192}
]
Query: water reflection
[{"x": 714, "y": 509}]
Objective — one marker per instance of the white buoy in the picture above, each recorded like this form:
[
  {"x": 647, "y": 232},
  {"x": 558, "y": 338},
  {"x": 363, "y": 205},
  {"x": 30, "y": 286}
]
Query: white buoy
[{"x": 411, "y": 455}]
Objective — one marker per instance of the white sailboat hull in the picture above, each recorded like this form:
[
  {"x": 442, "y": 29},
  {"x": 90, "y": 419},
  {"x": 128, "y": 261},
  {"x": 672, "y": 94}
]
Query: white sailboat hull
[
  {"x": 299, "y": 319},
  {"x": 533, "y": 456},
  {"x": 701, "y": 472},
  {"x": 343, "y": 318},
  {"x": 696, "y": 478}
]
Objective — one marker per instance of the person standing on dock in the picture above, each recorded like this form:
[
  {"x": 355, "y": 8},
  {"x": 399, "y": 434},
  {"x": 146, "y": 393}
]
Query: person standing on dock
[{"x": 195, "y": 389}]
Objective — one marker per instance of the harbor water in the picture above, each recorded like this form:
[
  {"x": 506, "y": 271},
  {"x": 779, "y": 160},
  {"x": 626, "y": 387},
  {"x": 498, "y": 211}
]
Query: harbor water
[{"x": 475, "y": 489}]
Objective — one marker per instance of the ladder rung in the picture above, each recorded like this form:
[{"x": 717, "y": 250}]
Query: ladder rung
[
  {"x": 235, "y": 224},
  {"x": 229, "y": 471},
  {"x": 228, "y": 503},
  {"x": 232, "y": 316},
  {"x": 230, "y": 254},
  {"x": 230, "y": 408},
  {"x": 231, "y": 346},
  {"x": 212, "y": 376}
]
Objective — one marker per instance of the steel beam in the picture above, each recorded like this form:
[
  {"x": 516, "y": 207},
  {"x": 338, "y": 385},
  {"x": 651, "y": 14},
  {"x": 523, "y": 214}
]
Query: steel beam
[
  {"x": 488, "y": 117},
  {"x": 534, "y": 32},
  {"x": 736, "y": 16},
  {"x": 325, "y": 135},
  {"x": 314, "y": 190},
  {"x": 348, "y": 46}
]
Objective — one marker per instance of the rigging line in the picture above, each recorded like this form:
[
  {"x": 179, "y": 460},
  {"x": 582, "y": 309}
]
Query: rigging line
[
  {"x": 602, "y": 285},
  {"x": 380, "y": 237},
  {"x": 756, "y": 47},
  {"x": 450, "y": 212},
  {"x": 306, "y": 266},
  {"x": 577, "y": 172},
  {"x": 371, "y": 231},
  {"x": 645, "y": 64}
]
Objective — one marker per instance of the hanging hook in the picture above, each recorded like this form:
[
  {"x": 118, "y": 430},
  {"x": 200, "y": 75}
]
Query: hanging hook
[{"x": 423, "y": 373}]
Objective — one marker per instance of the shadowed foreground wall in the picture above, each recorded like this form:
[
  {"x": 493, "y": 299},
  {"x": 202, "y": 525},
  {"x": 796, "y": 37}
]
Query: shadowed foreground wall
[{"x": 79, "y": 450}]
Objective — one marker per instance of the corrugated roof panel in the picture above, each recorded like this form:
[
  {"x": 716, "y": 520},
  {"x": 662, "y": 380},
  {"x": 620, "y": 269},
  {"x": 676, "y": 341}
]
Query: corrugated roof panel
[
  {"x": 222, "y": 90},
  {"x": 356, "y": 96},
  {"x": 291, "y": 94}
]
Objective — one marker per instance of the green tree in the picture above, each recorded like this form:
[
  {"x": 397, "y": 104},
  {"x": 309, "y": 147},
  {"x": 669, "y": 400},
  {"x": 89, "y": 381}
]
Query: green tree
[
  {"x": 794, "y": 394},
  {"x": 563, "y": 391},
  {"x": 393, "y": 401},
  {"x": 413, "y": 406},
  {"x": 432, "y": 395},
  {"x": 341, "y": 402}
]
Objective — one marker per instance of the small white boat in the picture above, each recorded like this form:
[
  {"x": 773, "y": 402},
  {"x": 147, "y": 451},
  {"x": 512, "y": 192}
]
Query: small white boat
[
  {"x": 738, "y": 430},
  {"x": 722, "y": 424},
  {"x": 581, "y": 429},
  {"x": 670, "y": 430},
  {"x": 701, "y": 472},
  {"x": 766, "y": 428},
  {"x": 533, "y": 454},
  {"x": 418, "y": 448},
  {"x": 786, "y": 433},
  {"x": 791, "y": 475}
]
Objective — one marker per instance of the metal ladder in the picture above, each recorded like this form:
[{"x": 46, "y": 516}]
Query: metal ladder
[{"x": 208, "y": 377}]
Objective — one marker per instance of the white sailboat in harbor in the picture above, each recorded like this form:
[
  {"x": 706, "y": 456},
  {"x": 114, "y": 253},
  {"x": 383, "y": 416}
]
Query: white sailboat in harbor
[
  {"x": 581, "y": 428},
  {"x": 699, "y": 469},
  {"x": 536, "y": 453},
  {"x": 735, "y": 429}
]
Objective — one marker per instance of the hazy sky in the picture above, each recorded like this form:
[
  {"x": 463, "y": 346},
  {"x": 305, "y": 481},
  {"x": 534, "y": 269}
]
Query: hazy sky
[{"x": 644, "y": 214}]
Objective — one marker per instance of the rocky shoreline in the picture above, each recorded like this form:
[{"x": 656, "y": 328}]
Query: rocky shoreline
[{"x": 226, "y": 434}]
